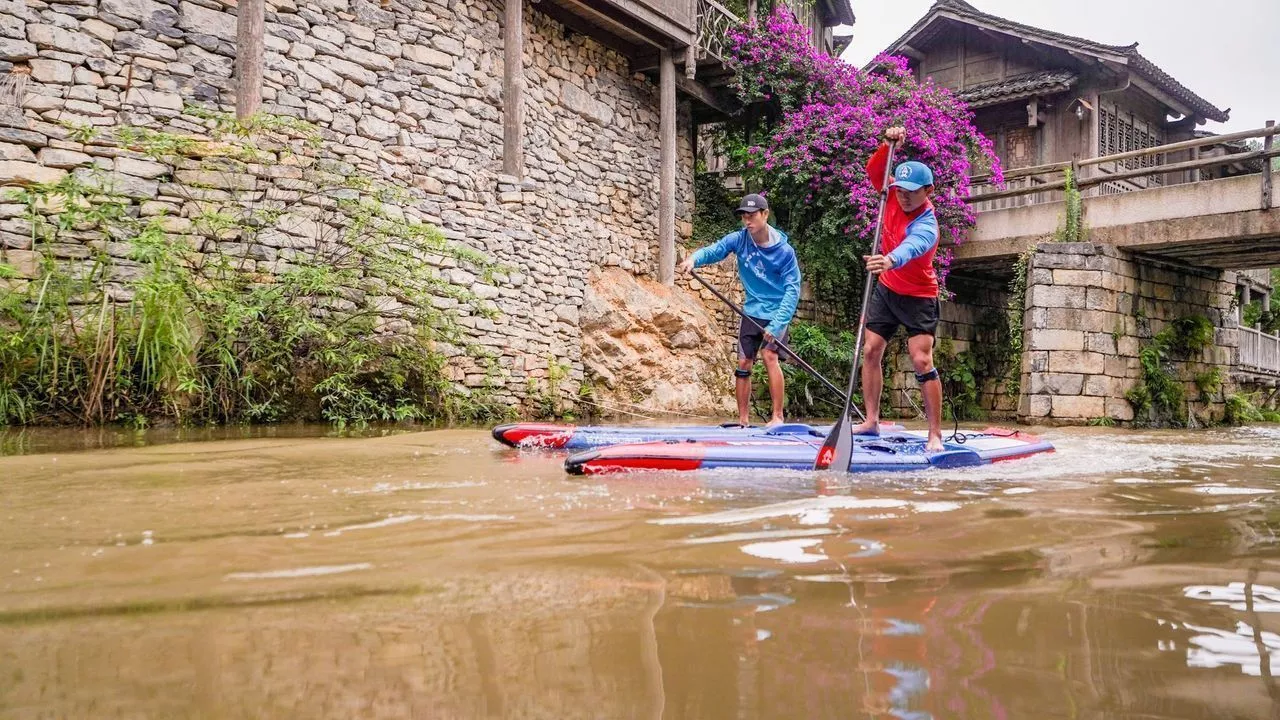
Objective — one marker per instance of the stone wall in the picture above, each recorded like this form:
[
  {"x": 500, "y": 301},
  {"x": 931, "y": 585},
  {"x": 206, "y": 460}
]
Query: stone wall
[
  {"x": 972, "y": 321},
  {"x": 1089, "y": 310},
  {"x": 408, "y": 91}
]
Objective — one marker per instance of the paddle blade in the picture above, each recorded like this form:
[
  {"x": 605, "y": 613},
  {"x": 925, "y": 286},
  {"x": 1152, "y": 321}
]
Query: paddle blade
[{"x": 838, "y": 448}]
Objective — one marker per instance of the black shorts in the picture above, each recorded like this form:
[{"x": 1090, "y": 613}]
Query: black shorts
[
  {"x": 751, "y": 337},
  {"x": 887, "y": 310}
]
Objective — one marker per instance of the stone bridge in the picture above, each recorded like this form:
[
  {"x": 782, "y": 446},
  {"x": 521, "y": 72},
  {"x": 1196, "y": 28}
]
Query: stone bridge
[
  {"x": 1214, "y": 223},
  {"x": 1150, "y": 257}
]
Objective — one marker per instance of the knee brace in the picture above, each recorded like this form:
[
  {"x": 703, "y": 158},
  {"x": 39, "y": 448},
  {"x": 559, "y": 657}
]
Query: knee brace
[
  {"x": 923, "y": 378},
  {"x": 740, "y": 373}
]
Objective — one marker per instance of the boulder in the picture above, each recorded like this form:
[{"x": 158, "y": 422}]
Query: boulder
[{"x": 649, "y": 347}]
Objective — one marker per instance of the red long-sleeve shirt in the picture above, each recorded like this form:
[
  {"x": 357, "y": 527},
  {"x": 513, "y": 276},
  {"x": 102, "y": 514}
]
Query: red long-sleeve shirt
[{"x": 915, "y": 277}]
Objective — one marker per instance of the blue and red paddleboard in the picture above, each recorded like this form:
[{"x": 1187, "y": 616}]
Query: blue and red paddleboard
[
  {"x": 892, "y": 450},
  {"x": 574, "y": 437}
]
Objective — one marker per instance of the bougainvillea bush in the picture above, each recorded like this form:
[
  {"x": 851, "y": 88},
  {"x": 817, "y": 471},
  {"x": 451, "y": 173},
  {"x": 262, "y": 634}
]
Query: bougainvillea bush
[{"x": 832, "y": 117}]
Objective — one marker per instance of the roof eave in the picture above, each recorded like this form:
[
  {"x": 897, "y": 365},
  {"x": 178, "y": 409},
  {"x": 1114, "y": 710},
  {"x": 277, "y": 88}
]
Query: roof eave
[
  {"x": 1153, "y": 74},
  {"x": 1018, "y": 95},
  {"x": 1126, "y": 55},
  {"x": 838, "y": 12}
]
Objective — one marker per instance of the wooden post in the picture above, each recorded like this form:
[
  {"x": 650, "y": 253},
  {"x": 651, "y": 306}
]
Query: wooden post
[
  {"x": 1075, "y": 176},
  {"x": 1266, "y": 168},
  {"x": 753, "y": 9},
  {"x": 249, "y": 30},
  {"x": 1095, "y": 130},
  {"x": 693, "y": 140},
  {"x": 513, "y": 90},
  {"x": 667, "y": 169}
]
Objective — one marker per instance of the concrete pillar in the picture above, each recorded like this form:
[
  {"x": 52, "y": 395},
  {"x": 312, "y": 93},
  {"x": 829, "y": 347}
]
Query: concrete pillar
[{"x": 1245, "y": 298}]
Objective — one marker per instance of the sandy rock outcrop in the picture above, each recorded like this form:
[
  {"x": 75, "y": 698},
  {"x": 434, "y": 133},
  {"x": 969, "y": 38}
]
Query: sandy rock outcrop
[{"x": 649, "y": 347}]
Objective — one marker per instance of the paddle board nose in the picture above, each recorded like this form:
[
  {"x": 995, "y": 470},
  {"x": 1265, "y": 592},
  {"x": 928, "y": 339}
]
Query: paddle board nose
[
  {"x": 543, "y": 435},
  {"x": 576, "y": 464},
  {"x": 500, "y": 433}
]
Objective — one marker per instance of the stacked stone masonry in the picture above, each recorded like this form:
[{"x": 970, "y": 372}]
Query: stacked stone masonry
[
  {"x": 973, "y": 316},
  {"x": 1089, "y": 310},
  {"x": 408, "y": 91}
]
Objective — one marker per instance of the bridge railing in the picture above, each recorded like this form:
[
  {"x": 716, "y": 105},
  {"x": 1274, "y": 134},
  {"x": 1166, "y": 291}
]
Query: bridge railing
[
  {"x": 1259, "y": 351},
  {"x": 1020, "y": 183}
]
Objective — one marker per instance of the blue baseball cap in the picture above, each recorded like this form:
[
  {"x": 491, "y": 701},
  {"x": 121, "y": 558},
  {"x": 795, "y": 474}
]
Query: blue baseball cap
[{"x": 912, "y": 175}]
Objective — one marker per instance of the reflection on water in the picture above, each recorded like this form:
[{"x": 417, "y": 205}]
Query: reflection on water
[
  {"x": 1213, "y": 648},
  {"x": 437, "y": 575}
]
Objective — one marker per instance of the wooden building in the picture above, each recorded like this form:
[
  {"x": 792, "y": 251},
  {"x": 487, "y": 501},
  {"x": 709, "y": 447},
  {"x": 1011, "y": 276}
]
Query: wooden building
[{"x": 1045, "y": 97}]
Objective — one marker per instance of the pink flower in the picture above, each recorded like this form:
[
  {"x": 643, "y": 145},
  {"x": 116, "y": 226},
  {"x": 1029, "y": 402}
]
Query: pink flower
[{"x": 832, "y": 116}]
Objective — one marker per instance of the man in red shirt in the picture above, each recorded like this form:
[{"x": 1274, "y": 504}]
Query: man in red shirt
[{"x": 907, "y": 291}]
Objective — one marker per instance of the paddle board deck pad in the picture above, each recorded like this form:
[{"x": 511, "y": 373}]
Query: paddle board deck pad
[
  {"x": 892, "y": 450},
  {"x": 574, "y": 437}
]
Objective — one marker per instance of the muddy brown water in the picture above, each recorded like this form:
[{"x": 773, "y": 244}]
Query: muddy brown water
[{"x": 437, "y": 575}]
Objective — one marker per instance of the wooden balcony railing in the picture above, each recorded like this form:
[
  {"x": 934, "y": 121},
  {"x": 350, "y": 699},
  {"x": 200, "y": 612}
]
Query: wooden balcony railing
[
  {"x": 714, "y": 21},
  {"x": 1259, "y": 352},
  {"x": 983, "y": 193}
]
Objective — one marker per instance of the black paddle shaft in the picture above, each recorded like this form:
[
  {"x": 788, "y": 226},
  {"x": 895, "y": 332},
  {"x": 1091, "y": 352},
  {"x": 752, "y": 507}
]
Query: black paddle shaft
[
  {"x": 799, "y": 361},
  {"x": 838, "y": 447}
]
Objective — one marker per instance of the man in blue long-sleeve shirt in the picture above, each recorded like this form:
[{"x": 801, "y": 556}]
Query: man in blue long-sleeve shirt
[{"x": 771, "y": 278}]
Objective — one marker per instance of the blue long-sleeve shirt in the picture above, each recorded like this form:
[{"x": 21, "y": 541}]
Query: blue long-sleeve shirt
[
  {"x": 770, "y": 274},
  {"x": 922, "y": 236}
]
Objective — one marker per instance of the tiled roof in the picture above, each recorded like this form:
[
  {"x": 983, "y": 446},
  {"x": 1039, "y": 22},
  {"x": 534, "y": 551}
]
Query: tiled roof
[
  {"x": 1234, "y": 146},
  {"x": 836, "y": 12},
  {"x": 1044, "y": 82},
  {"x": 1125, "y": 54}
]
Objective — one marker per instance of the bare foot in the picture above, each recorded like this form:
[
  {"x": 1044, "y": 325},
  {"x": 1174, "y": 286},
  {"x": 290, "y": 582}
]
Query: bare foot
[
  {"x": 744, "y": 422},
  {"x": 934, "y": 444},
  {"x": 775, "y": 422},
  {"x": 869, "y": 427}
]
